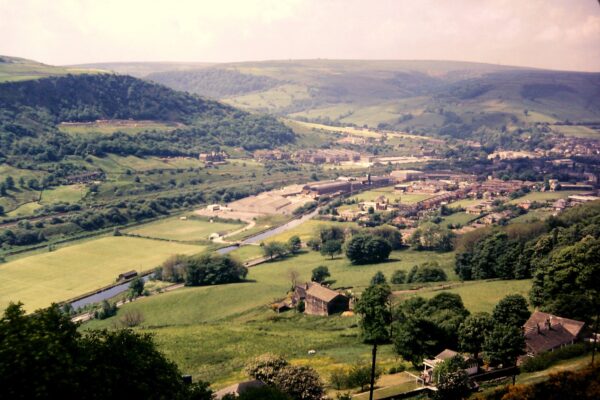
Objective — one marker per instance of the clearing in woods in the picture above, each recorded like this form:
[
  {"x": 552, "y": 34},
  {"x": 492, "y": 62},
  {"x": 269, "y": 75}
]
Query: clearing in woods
[
  {"x": 111, "y": 126},
  {"x": 188, "y": 229},
  {"x": 67, "y": 272}
]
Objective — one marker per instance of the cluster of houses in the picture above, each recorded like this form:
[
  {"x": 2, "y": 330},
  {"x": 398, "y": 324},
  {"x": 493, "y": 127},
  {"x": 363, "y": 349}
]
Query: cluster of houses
[
  {"x": 543, "y": 332},
  {"x": 214, "y": 157}
]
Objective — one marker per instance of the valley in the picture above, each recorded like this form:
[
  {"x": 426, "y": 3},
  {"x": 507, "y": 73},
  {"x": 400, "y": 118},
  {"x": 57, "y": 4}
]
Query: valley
[{"x": 225, "y": 186}]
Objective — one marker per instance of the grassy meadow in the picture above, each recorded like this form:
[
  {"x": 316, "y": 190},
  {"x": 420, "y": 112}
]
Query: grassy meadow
[
  {"x": 70, "y": 271},
  {"x": 190, "y": 229},
  {"x": 211, "y": 332},
  {"x": 107, "y": 128},
  {"x": 66, "y": 193},
  {"x": 545, "y": 196}
]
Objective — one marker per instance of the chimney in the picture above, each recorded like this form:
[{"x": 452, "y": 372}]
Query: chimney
[
  {"x": 548, "y": 324},
  {"x": 538, "y": 328}
]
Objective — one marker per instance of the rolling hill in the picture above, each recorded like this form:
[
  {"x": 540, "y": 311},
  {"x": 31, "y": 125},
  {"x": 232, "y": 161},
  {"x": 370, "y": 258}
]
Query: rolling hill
[
  {"x": 426, "y": 97},
  {"x": 19, "y": 69},
  {"x": 30, "y": 111}
]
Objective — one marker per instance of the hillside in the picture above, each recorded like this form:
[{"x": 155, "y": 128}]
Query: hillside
[
  {"x": 19, "y": 69},
  {"x": 427, "y": 97},
  {"x": 31, "y": 110},
  {"x": 142, "y": 69}
]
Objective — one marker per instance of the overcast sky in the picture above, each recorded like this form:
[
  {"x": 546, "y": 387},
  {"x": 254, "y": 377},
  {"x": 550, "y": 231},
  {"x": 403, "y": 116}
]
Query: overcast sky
[{"x": 558, "y": 34}]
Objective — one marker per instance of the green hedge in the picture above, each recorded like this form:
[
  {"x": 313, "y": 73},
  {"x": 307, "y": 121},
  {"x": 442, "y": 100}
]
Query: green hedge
[{"x": 550, "y": 358}]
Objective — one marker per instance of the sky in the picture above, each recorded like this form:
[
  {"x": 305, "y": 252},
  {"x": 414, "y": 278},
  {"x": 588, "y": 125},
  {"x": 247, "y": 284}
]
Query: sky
[{"x": 554, "y": 34}]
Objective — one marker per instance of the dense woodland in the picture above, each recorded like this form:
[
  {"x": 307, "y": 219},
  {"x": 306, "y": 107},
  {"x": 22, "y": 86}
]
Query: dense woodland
[
  {"x": 562, "y": 255},
  {"x": 31, "y": 110}
]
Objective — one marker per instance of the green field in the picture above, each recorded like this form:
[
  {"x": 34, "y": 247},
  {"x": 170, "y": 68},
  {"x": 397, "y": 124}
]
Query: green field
[
  {"x": 67, "y": 194},
  {"x": 190, "y": 229},
  {"x": 25, "y": 210},
  {"x": 223, "y": 326},
  {"x": 262, "y": 223},
  {"x": 212, "y": 331},
  {"x": 391, "y": 195},
  {"x": 461, "y": 218},
  {"x": 577, "y": 131},
  {"x": 107, "y": 128},
  {"x": 308, "y": 230},
  {"x": 545, "y": 196},
  {"x": 483, "y": 295},
  {"x": 70, "y": 271},
  {"x": 247, "y": 253}
]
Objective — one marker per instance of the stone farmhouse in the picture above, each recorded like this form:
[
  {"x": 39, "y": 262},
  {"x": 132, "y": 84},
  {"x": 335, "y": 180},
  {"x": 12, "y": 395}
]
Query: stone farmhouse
[{"x": 320, "y": 300}]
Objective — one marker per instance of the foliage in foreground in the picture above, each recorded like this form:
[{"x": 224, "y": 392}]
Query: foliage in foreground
[
  {"x": 581, "y": 385},
  {"x": 43, "y": 356}
]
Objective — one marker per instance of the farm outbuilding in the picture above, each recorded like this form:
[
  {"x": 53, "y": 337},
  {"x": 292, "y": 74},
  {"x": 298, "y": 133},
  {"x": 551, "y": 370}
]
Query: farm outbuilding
[{"x": 127, "y": 275}]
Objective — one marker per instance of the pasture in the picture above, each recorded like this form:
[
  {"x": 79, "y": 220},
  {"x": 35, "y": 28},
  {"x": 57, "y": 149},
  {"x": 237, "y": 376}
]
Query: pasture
[
  {"x": 461, "y": 218},
  {"x": 189, "y": 229},
  {"x": 67, "y": 194},
  {"x": 391, "y": 195},
  {"x": 211, "y": 332},
  {"x": 71, "y": 271},
  {"x": 481, "y": 296},
  {"x": 109, "y": 127},
  {"x": 545, "y": 196}
]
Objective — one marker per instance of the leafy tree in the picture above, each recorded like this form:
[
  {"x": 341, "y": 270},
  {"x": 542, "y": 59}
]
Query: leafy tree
[
  {"x": 430, "y": 236},
  {"x": 70, "y": 364},
  {"x": 452, "y": 380},
  {"x": 398, "y": 277},
  {"x": 363, "y": 249},
  {"x": 294, "y": 244},
  {"x": 274, "y": 249},
  {"x": 389, "y": 233},
  {"x": 472, "y": 332},
  {"x": 266, "y": 367},
  {"x": 426, "y": 272},
  {"x": 300, "y": 383},
  {"x": 360, "y": 375},
  {"x": 511, "y": 310},
  {"x": 320, "y": 274},
  {"x": 374, "y": 308},
  {"x": 425, "y": 327},
  {"x": 136, "y": 287},
  {"x": 378, "y": 279},
  {"x": 503, "y": 344},
  {"x": 568, "y": 283},
  {"x": 106, "y": 310},
  {"x": 9, "y": 181},
  {"x": 331, "y": 248},
  {"x": 213, "y": 269},
  {"x": 331, "y": 232}
]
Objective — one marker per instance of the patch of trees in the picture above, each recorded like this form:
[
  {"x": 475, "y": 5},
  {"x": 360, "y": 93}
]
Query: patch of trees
[
  {"x": 561, "y": 254},
  {"x": 430, "y": 236},
  {"x": 201, "y": 270},
  {"x": 363, "y": 249},
  {"x": 92, "y": 365},
  {"x": 298, "y": 382},
  {"x": 426, "y": 272},
  {"x": 423, "y": 328}
]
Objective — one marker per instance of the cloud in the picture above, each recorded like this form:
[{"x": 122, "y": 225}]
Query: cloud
[{"x": 561, "y": 34}]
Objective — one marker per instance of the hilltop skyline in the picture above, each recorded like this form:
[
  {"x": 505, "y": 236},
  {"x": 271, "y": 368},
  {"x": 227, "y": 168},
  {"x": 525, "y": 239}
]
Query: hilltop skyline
[{"x": 554, "y": 34}]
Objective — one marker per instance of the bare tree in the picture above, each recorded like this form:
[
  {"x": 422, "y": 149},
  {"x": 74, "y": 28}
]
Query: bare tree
[
  {"x": 132, "y": 318},
  {"x": 293, "y": 275}
]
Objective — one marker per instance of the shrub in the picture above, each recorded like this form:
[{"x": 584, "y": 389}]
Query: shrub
[
  {"x": 398, "y": 277},
  {"x": 426, "y": 272},
  {"x": 265, "y": 367},
  {"x": 545, "y": 360},
  {"x": 132, "y": 318}
]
